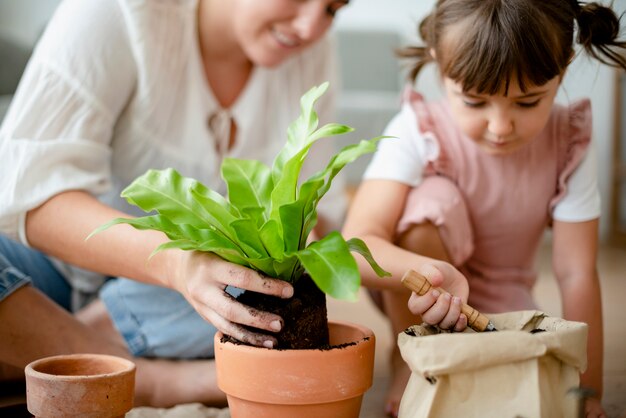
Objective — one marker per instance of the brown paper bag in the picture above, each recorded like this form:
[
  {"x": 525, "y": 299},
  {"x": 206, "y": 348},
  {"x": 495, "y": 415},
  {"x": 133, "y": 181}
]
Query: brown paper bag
[{"x": 509, "y": 373}]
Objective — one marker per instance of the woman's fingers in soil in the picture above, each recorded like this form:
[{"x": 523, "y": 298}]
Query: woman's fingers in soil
[
  {"x": 238, "y": 313},
  {"x": 242, "y": 334},
  {"x": 251, "y": 280}
]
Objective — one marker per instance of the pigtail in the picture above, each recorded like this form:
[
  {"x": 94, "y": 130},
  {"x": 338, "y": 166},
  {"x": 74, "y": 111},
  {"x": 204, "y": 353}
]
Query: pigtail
[
  {"x": 419, "y": 55},
  {"x": 598, "y": 33}
]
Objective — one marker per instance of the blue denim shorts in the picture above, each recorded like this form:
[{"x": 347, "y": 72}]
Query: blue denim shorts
[
  {"x": 156, "y": 321},
  {"x": 21, "y": 266}
]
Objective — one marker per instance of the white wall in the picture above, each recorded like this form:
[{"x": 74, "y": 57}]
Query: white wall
[
  {"x": 400, "y": 15},
  {"x": 585, "y": 78},
  {"x": 23, "y": 20}
]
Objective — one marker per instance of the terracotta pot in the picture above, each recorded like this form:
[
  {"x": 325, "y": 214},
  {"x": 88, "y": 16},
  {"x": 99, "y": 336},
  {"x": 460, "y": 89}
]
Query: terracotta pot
[
  {"x": 264, "y": 383},
  {"x": 85, "y": 385}
]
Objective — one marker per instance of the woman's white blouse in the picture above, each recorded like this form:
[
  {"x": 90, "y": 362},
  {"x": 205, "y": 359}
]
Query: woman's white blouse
[{"x": 116, "y": 87}]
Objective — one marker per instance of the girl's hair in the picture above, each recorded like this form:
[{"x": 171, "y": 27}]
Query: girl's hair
[{"x": 483, "y": 44}]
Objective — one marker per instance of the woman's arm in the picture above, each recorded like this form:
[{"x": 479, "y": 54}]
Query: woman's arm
[
  {"x": 373, "y": 216},
  {"x": 575, "y": 247},
  {"x": 59, "y": 228}
]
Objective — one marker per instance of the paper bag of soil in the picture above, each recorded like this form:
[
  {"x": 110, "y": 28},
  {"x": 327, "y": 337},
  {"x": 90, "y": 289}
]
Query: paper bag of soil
[{"x": 510, "y": 373}]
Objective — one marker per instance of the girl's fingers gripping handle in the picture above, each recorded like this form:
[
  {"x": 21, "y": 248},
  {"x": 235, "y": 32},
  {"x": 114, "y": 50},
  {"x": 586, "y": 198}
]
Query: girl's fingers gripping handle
[{"x": 420, "y": 285}]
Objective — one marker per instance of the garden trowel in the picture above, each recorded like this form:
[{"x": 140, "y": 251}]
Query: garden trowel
[{"x": 420, "y": 285}]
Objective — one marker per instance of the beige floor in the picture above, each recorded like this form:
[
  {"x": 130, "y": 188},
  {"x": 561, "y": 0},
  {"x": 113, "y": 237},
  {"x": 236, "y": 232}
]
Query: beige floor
[{"x": 612, "y": 269}]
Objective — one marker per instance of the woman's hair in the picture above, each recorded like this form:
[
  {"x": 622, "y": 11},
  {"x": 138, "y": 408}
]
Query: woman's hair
[{"x": 483, "y": 44}]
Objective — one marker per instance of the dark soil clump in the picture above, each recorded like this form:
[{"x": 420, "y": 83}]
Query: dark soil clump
[{"x": 305, "y": 316}]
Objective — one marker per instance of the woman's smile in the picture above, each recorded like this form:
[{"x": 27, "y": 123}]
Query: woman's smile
[{"x": 284, "y": 39}]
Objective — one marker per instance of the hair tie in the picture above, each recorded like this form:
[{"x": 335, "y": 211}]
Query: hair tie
[{"x": 597, "y": 25}]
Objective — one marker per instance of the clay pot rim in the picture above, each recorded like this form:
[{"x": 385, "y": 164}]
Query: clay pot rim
[
  {"x": 129, "y": 367},
  {"x": 368, "y": 334},
  {"x": 339, "y": 373}
]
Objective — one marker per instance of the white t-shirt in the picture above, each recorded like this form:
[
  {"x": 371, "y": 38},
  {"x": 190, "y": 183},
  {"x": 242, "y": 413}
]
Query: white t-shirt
[
  {"x": 115, "y": 88},
  {"x": 404, "y": 158}
]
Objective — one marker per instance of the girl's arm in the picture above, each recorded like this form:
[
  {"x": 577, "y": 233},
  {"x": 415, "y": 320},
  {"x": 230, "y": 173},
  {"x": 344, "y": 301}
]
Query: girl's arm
[
  {"x": 373, "y": 216},
  {"x": 575, "y": 246},
  {"x": 59, "y": 228}
]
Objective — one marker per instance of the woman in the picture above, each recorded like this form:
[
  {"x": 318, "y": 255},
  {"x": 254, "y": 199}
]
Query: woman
[{"x": 115, "y": 88}]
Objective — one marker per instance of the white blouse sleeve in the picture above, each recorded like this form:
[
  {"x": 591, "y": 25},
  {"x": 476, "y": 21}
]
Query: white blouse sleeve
[
  {"x": 56, "y": 135},
  {"x": 582, "y": 199},
  {"x": 403, "y": 157}
]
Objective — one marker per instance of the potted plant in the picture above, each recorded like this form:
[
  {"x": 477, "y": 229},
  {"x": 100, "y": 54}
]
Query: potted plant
[{"x": 265, "y": 224}]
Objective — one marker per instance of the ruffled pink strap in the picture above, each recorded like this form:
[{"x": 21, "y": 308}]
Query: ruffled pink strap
[
  {"x": 575, "y": 137},
  {"x": 424, "y": 119},
  {"x": 427, "y": 126}
]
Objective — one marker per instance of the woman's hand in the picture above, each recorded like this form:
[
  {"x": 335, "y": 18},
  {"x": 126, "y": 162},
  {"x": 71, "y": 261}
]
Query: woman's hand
[
  {"x": 203, "y": 277},
  {"x": 441, "y": 309}
]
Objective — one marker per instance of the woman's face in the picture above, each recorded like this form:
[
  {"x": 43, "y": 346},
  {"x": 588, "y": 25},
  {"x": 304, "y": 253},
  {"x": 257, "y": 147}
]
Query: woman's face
[
  {"x": 269, "y": 31},
  {"x": 502, "y": 123}
]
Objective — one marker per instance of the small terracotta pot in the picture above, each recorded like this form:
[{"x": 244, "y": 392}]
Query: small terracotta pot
[
  {"x": 85, "y": 385},
  {"x": 264, "y": 383}
]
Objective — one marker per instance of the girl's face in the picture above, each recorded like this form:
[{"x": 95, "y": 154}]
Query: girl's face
[
  {"x": 269, "y": 31},
  {"x": 501, "y": 124}
]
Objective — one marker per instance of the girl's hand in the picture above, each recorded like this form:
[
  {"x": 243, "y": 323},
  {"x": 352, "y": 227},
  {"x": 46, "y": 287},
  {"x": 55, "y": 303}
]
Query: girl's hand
[
  {"x": 436, "y": 308},
  {"x": 203, "y": 277}
]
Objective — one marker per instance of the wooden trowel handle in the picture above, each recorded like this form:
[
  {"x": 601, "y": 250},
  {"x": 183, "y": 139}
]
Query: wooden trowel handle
[{"x": 420, "y": 285}]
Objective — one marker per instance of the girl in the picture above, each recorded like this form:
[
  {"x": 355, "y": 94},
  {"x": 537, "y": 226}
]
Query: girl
[
  {"x": 476, "y": 178},
  {"x": 115, "y": 88}
]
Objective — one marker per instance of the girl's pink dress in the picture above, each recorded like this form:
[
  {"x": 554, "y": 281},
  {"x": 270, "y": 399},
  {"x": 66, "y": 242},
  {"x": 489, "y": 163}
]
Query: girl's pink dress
[{"x": 492, "y": 210}]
